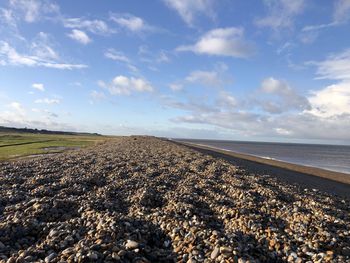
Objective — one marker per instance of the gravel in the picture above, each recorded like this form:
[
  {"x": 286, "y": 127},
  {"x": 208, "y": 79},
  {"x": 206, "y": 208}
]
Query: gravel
[{"x": 144, "y": 199}]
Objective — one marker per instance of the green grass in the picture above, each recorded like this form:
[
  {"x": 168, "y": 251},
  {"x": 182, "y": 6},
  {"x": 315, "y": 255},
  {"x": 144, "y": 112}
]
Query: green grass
[{"x": 14, "y": 145}]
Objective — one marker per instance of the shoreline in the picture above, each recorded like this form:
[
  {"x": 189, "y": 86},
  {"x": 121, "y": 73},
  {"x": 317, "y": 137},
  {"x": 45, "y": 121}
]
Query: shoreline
[{"x": 305, "y": 176}]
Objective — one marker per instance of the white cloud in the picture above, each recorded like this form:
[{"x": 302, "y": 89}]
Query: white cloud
[
  {"x": 341, "y": 12},
  {"x": 130, "y": 22},
  {"x": 189, "y": 9},
  {"x": 97, "y": 96},
  {"x": 216, "y": 78},
  {"x": 47, "y": 101},
  {"x": 7, "y": 16},
  {"x": 277, "y": 111},
  {"x": 17, "y": 107},
  {"x": 283, "y": 131},
  {"x": 226, "y": 100},
  {"x": 16, "y": 113},
  {"x": 116, "y": 55},
  {"x": 41, "y": 47},
  {"x": 245, "y": 124},
  {"x": 281, "y": 14},
  {"x": 94, "y": 26},
  {"x": 80, "y": 36},
  {"x": 235, "y": 121},
  {"x": 341, "y": 15},
  {"x": 76, "y": 83},
  {"x": 336, "y": 66},
  {"x": 175, "y": 86},
  {"x": 317, "y": 27},
  {"x": 17, "y": 116},
  {"x": 193, "y": 105},
  {"x": 280, "y": 97},
  {"x": 207, "y": 78},
  {"x": 221, "y": 42},
  {"x": 10, "y": 56},
  {"x": 282, "y": 112},
  {"x": 63, "y": 66},
  {"x": 30, "y": 8},
  {"x": 162, "y": 57},
  {"x": 47, "y": 113},
  {"x": 122, "y": 85},
  {"x": 272, "y": 85},
  {"x": 38, "y": 86},
  {"x": 153, "y": 57},
  {"x": 33, "y": 10},
  {"x": 331, "y": 101},
  {"x": 119, "y": 56}
]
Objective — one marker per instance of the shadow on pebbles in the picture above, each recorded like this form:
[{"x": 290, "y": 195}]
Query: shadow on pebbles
[{"x": 143, "y": 199}]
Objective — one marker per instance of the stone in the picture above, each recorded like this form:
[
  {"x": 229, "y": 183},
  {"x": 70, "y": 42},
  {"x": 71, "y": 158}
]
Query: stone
[
  {"x": 115, "y": 256},
  {"x": 130, "y": 244},
  {"x": 92, "y": 255},
  {"x": 67, "y": 251},
  {"x": 346, "y": 251},
  {"x": 226, "y": 250},
  {"x": 50, "y": 257},
  {"x": 215, "y": 253},
  {"x": 11, "y": 260}
]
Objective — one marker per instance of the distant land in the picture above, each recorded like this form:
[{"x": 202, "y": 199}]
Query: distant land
[{"x": 43, "y": 131}]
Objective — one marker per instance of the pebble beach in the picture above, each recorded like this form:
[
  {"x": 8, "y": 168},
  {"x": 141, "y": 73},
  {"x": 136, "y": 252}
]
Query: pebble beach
[{"x": 144, "y": 199}]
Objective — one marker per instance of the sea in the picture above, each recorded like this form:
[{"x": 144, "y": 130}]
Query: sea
[{"x": 329, "y": 157}]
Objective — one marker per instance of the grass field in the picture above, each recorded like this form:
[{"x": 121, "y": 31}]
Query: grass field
[{"x": 14, "y": 145}]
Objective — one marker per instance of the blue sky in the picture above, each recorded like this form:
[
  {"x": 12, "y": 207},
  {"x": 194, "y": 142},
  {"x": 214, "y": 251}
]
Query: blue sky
[{"x": 273, "y": 70}]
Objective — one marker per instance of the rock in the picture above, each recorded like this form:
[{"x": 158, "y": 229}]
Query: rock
[
  {"x": 68, "y": 251},
  {"x": 215, "y": 253},
  {"x": 346, "y": 251},
  {"x": 226, "y": 250},
  {"x": 130, "y": 244},
  {"x": 11, "y": 260},
  {"x": 115, "y": 256},
  {"x": 92, "y": 255},
  {"x": 37, "y": 206},
  {"x": 50, "y": 257}
]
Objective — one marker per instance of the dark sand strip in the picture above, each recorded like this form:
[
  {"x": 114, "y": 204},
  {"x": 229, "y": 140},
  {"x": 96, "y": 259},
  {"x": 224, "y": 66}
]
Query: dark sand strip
[{"x": 304, "y": 176}]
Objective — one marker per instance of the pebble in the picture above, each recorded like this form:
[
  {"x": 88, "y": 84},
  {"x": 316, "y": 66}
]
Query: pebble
[
  {"x": 225, "y": 250},
  {"x": 144, "y": 199},
  {"x": 50, "y": 257},
  {"x": 214, "y": 254},
  {"x": 130, "y": 244}
]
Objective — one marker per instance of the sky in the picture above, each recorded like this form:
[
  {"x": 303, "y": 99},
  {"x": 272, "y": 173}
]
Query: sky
[{"x": 273, "y": 70}]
